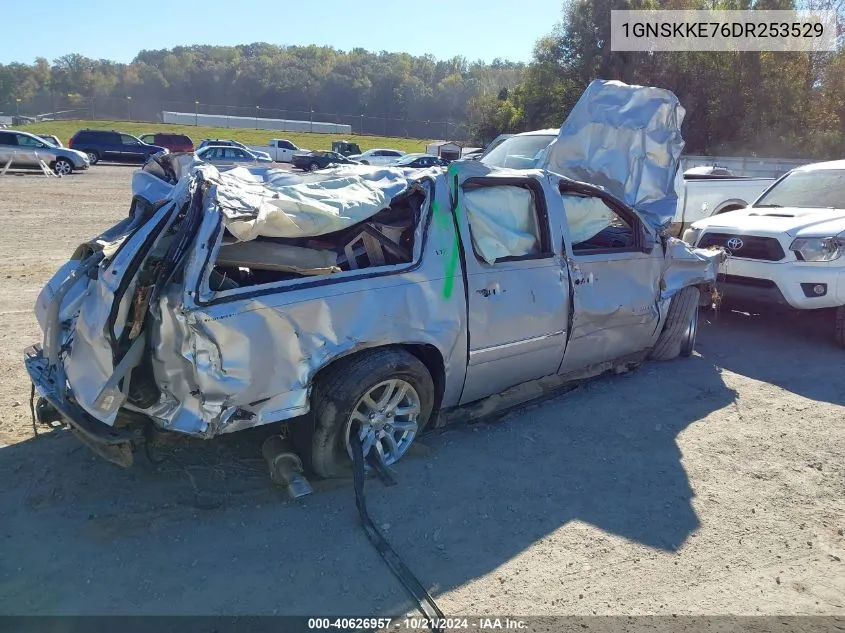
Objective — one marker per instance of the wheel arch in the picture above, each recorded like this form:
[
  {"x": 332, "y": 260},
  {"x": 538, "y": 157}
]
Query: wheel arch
[
  {"x": 730, "y": 205},
  {"x": 429, "y": 355}
]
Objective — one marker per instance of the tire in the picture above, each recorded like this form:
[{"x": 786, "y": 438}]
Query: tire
[
  {"x": 93, "y": 156},
  {"x": 839, "y": 326},
  {"x": 681, "y": 327},
  {"x": 63, "y": 167},
  {"x": 364, "y": 162},
  {"x": 313, "y": 167},
  {"x": 340, "y": 392}
]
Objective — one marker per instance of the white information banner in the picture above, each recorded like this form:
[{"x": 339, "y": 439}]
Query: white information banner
[{"x": 691, "y": 30}]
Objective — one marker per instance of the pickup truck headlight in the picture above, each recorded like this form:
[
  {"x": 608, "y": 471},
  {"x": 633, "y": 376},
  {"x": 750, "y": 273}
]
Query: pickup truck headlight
[
  {"x": 818, "y": 249},
  {"x": 691, "y": 236}
]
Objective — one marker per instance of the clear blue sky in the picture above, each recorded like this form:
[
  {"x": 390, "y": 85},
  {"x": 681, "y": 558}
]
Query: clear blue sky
[{"x": 117, "y": 30}]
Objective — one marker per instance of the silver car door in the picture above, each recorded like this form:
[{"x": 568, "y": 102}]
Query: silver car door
[
  {"x": 28, "y": 153},
  {"x": 517, "y": 287},
  {"x": 615, "y": 269},
  {"x": 131, "y": 148}
]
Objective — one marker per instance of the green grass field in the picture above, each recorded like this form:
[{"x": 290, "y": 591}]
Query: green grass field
[{"x": 65, "y": 129}]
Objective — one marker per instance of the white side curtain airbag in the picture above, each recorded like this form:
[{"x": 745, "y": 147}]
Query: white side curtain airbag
[{"x": 503, "y": 221}]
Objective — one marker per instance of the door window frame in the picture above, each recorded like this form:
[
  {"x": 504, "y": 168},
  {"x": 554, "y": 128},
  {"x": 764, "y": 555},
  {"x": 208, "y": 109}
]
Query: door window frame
[
  {"x": 614, "y": 204},
  {"x": 547, "y": 249},
  {"x": 198, "y": 285},
  {"x": 32, "y": 142}
]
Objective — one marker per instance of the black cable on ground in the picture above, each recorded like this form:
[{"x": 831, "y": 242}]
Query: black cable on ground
[
  {"x": 32, "y": 410},
  {"x": 425, "y": 603}
]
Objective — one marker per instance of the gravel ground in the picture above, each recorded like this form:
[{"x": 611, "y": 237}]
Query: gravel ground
[{"x": 710, "y": 485}]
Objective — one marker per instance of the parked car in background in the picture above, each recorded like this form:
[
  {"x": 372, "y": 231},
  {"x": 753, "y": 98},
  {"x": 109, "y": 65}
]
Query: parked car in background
[
  {"x": 230, "y": 143},
  {"x": 421, "y": 160},
  {"x": 786, "y": 248},
  {"x": 519, "y": 151},
  {"x": 472, "y": 153},
  {"x": 345, "y": 147},
  {"x": 53, "y": 140},
  {"x": 495, "y": 143},
  {"x": 113, "y": 145},
  {"x": 704, "y": 171},
  {"x": 280, "y": 150},
  {"x": 378, "y": 156},
  {"x": 173, "y": 142},
  {"x": 312, "y": 161},
  {"x": 705, "y": 195},
  {"x": 227, "y": 156},
  {"x": 26, "y": 150}
]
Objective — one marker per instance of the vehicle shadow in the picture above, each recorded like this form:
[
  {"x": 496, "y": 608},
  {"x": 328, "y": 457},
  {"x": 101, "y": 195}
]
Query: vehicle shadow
[
  {"x": 205, "y": 532},
  {"x": 34, "y": 173},
  {"x": 768, "y": 347}
]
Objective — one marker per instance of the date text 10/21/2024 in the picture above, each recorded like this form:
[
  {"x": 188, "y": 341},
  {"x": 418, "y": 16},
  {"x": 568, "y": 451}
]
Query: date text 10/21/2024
[{"x": 414, "y": 623}]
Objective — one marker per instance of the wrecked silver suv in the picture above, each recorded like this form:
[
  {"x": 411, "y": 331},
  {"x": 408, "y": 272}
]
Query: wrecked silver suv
[{"x": 372, "y": 301}]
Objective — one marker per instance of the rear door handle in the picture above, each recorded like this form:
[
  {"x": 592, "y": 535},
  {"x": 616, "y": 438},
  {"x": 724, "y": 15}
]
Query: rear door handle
[{"x": 491, "y": 290}]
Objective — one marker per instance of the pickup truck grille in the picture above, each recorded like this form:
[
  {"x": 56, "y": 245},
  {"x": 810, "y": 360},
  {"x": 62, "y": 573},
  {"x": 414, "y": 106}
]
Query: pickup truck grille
[{"x": 753, "y": 247}]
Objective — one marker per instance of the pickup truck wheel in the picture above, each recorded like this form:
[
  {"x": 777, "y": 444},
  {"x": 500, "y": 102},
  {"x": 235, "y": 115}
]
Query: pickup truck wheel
[
  {"x": 681, "y": 327},
  {"x": 840, "y": 326},
  {"x": 386, "y": 396}
]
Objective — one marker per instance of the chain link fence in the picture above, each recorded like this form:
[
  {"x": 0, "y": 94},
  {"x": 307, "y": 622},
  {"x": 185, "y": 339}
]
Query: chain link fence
[{"x": 150, "y": 110}]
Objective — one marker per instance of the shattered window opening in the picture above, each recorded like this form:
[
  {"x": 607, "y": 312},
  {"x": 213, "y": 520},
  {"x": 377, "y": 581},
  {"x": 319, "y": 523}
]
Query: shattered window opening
[
  {"x": 383, "y": 240},
  {"x": 594, "y": 226}
]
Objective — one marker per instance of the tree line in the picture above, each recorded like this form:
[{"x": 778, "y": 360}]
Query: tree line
[
  {"x": 789, "y": 105},
  {"x": 738, "y": 103},
  {"x": 294, "y": 78}
]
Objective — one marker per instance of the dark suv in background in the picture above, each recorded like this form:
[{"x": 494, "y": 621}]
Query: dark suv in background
[
  {"x": 173, "y": 142},
  {"x": 112, "y": 145}
]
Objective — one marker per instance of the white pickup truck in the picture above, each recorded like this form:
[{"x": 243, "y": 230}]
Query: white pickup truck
[
  {"x": 281, "y": 150},
  {"x": 702, "y": 196},
  {"x": 786, "y": 247},
  {"x": 699, "y": 195}
]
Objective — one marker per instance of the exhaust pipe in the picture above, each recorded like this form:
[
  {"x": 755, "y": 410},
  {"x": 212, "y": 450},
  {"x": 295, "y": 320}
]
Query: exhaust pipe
[{"x": 285, "y": 466}]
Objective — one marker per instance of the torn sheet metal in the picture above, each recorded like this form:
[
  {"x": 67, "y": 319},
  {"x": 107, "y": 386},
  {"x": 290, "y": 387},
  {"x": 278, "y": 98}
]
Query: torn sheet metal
[
  {"x": 232, "y": 365},
  {"x": 687, "y": 266},
  {"x": 627, "y": 140},
  {"x": 503, "y": 220}
]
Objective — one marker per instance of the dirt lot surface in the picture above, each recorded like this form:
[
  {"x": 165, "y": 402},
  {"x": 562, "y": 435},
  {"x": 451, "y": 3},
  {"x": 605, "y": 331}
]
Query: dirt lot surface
[{"x": 710, "y": 485}]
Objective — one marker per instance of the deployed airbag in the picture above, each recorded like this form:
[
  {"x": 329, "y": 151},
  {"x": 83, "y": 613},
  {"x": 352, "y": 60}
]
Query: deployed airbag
[
  {"x": 305, "y": 209},
  {"x": 502, "y": 220},
  {"x": 586, "y": 217}
]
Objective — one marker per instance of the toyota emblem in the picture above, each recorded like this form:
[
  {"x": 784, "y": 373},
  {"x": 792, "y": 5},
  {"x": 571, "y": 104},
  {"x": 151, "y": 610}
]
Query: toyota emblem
[{"x": 734, "y": 244}]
